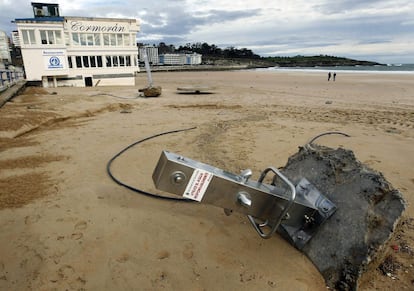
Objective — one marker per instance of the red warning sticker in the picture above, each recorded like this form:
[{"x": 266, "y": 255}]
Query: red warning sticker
[{"x": 198, "y": 184}]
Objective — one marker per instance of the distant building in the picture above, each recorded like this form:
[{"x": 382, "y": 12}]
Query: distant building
[
  {"x": 193, "y": 59},
  {"x": 152, "y": 53},
  {"x": 15, "y": 50},
  {"x": 172, "y": 59},
  {"x": 5, "y": 57},
  {"x": 77, "y": 51},
  {"x": 180, "y": 59},
  {"x": 15, "y": 38}
]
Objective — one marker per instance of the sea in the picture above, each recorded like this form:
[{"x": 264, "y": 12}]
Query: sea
[{"x": 386, "y": 69}]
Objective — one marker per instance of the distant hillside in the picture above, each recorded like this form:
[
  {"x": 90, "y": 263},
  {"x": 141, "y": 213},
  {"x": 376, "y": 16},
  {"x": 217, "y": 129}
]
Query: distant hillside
[
  {"x": 297, "y": 61},
  {"x": 231, "y": 56},
  {"x": 213, "y": 54},
  {"x": 321, "y": 61}
]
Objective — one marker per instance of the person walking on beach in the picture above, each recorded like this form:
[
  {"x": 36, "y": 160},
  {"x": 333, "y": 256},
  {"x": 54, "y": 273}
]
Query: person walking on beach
[
  {"x": 334, "y": 76},
  {"x": 329, "y": 76}
]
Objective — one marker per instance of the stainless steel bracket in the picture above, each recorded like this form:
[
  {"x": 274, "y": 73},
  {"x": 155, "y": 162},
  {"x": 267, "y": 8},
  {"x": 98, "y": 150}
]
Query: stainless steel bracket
[{"x": 294, "y": 211}]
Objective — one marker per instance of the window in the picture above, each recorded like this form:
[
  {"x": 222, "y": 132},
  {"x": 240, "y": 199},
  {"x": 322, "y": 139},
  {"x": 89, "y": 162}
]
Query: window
[
  {"x": 43, "y": 36},
  {"x": 119, "y": 40},
  {"x": 106, "y": 39},
  {"x": 85, "y": 61},
  {"x": 83, "y": 39},
  {"x": 127, "y": 40},
  {"x": 110, "y": 39},
  {"x": 78, "y": 62},
  {"x": 75, "y": 39},
  {"x": 108, "y": 61},
  {"x": 58, "y": 36},
  {"x": 99, "y": 60},
  {"x": 115, "y": 61},
  {"x": 28, "y": 36},
  {"x": 92, "y": 61},
  {"x": 90, "y": 39},
  {"x": 86, "y": 39},
  {"x": 32, "y": 37},
  {"x": 51, "y": 37},
  {"x": 97, "y": 37}
]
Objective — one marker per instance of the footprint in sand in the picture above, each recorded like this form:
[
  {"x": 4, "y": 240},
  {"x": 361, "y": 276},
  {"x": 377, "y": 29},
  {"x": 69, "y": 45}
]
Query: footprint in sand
[
  {"x": 30, "y": 219},
  {"x": 81, "y": 225},
  {"x": 76, "y": 235},
  {"x": 188, "y": 251},
  {"x": 123, "y": 258},
  {"x": 163, "y": 255},
  {"x": 68, "y": 274}
]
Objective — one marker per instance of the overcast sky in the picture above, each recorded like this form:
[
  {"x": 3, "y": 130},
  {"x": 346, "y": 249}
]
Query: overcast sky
[{"x": 376, "y": 30}]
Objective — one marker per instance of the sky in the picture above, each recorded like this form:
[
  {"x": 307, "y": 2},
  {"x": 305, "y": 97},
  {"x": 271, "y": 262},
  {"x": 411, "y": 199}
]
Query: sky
[{"x": 374, "y": 30}]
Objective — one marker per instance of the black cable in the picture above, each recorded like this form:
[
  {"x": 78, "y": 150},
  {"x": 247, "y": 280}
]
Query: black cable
[
  {"x": 112, "y": 95},
  {"x": 309, "y": 143},
  {"x": 327, "y": 133},
  {"x": 108, "y": 167}
]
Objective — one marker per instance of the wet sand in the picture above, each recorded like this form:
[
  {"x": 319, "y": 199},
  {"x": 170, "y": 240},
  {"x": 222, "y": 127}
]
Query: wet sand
[{"x": 66, "y": 225}]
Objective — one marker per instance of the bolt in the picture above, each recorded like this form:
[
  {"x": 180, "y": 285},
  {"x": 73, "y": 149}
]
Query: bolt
[
  {"x": 178, "y": 177},
  {"x": 325, "y": 206},
  {"x": 244, "y": 199}
]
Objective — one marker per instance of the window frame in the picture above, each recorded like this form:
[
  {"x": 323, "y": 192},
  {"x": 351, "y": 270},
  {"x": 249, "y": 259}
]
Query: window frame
[{"x": 29, "y": 36}]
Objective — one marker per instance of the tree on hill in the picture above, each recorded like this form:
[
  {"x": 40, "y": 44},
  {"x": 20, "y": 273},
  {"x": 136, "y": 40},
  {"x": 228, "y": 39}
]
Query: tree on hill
[{"x": 208, "y": 50}]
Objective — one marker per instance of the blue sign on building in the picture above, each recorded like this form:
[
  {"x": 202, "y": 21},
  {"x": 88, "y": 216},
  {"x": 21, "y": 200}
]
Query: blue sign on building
[{"x": 55, "y": 63}]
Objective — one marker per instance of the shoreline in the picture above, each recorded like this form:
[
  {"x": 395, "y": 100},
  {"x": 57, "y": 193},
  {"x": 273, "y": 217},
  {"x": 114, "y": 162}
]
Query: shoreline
[
  {"x": 346, "y": 70},
  {"x": 317, "y": 69}
]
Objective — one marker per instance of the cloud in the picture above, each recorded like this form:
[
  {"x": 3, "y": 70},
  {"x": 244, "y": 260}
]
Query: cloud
[{"x": 341, "y": 27}]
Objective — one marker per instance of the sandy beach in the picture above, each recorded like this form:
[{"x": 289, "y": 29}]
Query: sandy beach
[{"x": 65, "y": 225}]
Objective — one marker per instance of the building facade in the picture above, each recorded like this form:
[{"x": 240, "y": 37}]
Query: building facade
[
  {"x": 16, "y": 38},
  {"x": 180, "y": 59},
  {"x": 193, "y": 59},
  {"x": 152, "y": 54},
  {"x": 4, "y": 48},
  {"x": 77, "y": 51}
]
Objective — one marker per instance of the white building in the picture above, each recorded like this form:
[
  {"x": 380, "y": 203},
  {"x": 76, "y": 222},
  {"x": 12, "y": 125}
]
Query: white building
[
  {"x": 77, "y": 51},
  {"x": 4, "y": 48},
  {"x": 16, "y": 38},
  {"x": 152, "y": 54},
  {"x": 193, "y": 59},
  {"x": 180, "y": 59}
]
